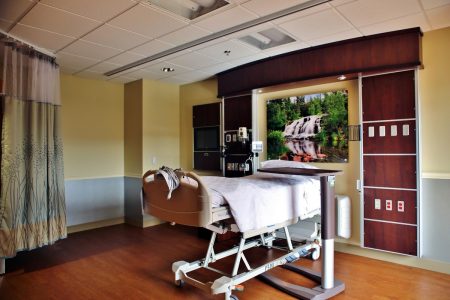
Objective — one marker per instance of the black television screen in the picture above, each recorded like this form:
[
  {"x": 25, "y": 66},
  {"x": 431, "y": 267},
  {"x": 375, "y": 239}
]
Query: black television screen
[{"x": 206, "y": 139}]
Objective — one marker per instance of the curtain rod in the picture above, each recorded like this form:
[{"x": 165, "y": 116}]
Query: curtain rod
[{"x": 36, "y": 48}]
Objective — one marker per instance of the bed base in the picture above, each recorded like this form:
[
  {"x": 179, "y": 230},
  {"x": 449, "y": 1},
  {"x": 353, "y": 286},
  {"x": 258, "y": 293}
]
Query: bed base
[{"x": 232, "y": 282}]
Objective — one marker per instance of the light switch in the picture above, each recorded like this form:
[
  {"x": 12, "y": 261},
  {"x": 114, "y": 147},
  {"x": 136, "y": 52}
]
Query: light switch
[
  {"x": 371, "y": 131},
  {"x": 388, "y": 204},
  {"x": 382, "y": 130},
  {"x": 393, "y": 130},
  {"x": 405, "y": 129},
  {"x": 377, "y": 204}
]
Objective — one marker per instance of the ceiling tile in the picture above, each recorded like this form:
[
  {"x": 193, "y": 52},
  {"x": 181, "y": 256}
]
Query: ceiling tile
[
  {"x": 59, "y": 21},
  {"x": 157, "y": 69},
  {"x": 13, "y": 9},
  {"x": 214, "y": 69},
  {"x": 193, "y": 60},
  {"x": 42, "y": 38},
  {"x": 192, "y": 76},
  {"x": 428, "y": 4},
  {"x": 366, "y": 12},
  {"x": 66, "y": 70},
  {"x": 165, "y": 58},
  {"x": 103, "y": 67},
  {"x": 5, "y": 24},
  {"x": 145, "y": 74},
  {"x": 91, "y": 75},
  {"x": 115, "y": 37},
  {"x": 226, "y": 19},
  {"x": 122, "y": 79},
  {"x": 340, "y": 2},
  {"x": 125, "y": 58},
  {"x": 397, "y": 24},
  {"x": 439, "y": 17},
  {"x": 336, "y": 37},
  {"x": 91, "y": 50},
  {"x": 147, "y": 21},
  {"x": 100, "y": 10},
  {"x": 315, "y": 26},
  {"x": 176, "y": 80},
  {"x": 303, "y": 13},
  {"x": 247, "y": 59},
  {"x": 184, "y": 35},
  {"x": 237, "y": 49},
  {"x": 151, "y": 48},
  {"x": 74, "y": 62},
  {"x": 286, "y": 48},
  {"x": 265, "y": 7}
]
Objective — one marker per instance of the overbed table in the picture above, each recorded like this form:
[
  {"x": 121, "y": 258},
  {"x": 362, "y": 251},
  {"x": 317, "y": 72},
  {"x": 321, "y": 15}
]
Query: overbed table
[{"x": 329, "y": 286}]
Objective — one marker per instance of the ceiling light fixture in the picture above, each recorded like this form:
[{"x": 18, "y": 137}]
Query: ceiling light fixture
[
  {"x": 167, "y": 69},
  {"x": 227, "y": 52},
  {"x": 342, "y": 77},
  {"x": 263, "y": 39}
]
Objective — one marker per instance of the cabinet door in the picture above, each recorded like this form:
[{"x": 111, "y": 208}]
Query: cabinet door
[
  {"x": 238, "y": 112},
  {"x": 206, "y": 115},
  {"x": 390, "y": 162},
  {"x": 207, "y": 160}
]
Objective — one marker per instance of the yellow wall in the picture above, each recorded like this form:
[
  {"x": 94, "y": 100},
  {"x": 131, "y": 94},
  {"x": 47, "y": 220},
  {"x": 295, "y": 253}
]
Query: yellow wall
[
  {"x": 160, "y": 125},
  {"x": 434, "y": 91},
  {"x": 202, "y": 92},
  {"x": 346, "y": 183},
  {"x": 133, "y": 129},
  {"x": 92, "y": 127}
]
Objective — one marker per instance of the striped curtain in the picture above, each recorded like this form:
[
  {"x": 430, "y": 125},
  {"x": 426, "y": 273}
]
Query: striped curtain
[{"x": 32, "y": 203}]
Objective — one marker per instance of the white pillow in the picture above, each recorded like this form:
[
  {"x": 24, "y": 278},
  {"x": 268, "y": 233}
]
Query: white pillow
[{"x": 279, "y": 163}]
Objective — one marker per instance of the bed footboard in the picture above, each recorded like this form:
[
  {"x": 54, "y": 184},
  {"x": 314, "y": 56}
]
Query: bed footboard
[{"x": 189, "y": 204}]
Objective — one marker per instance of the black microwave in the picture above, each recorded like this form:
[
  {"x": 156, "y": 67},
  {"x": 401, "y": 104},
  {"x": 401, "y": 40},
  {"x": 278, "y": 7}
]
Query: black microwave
[{"x": 207, "y": 138}]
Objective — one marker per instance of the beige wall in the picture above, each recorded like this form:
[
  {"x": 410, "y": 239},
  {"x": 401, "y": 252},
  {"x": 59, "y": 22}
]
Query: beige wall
[
  {"x": 92, "y": 127},
  {"x": 133, "y": 129},
  {"x": 434, "y": 91},
  {"x": 202, "y": 92},
  {"x": 346, "y": 183},
  {"x": 160, "y": 125}
]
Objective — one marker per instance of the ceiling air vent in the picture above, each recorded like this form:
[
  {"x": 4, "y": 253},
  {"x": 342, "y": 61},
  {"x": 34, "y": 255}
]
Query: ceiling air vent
[
  {"x": 266, "y": 39},
  {"x": 189, "y": 9}
]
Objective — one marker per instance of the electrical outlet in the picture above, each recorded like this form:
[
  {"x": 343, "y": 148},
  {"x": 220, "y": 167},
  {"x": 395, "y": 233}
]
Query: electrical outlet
[
  {"x": 401, "y": 206},
  {"x": 388, "y": 204}
]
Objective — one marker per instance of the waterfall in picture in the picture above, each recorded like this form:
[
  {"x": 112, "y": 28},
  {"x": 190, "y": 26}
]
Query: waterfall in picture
[{"x": 303, "y": 128}]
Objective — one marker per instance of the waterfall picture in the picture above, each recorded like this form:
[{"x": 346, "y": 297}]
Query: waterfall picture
[{"x": 309, "y": 128}]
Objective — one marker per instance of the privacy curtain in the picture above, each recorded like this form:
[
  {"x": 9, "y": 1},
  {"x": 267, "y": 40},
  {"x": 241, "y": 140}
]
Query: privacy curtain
[{"x": 32, "y": 204}]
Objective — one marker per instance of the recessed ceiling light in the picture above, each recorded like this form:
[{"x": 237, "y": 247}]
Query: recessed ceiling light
[
  {"x": 189, "y": 9},
  {"x": 167, "y": 69},
  {"x": 227, "y": 52},
  {"x": 259, "y": 91},
  {"x": 342, "y": 77}
]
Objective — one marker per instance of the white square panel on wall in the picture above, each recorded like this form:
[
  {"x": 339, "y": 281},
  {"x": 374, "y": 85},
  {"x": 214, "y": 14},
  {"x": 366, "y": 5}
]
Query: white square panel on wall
[{"x": 59, "y": 21}]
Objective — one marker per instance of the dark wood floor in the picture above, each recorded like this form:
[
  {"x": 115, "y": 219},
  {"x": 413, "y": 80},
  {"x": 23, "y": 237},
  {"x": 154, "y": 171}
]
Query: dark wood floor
[{"x": 125, "y": 262}]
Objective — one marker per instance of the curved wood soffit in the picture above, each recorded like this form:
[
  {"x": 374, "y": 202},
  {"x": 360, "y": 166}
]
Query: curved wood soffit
[{"x": 386, "y": 51}]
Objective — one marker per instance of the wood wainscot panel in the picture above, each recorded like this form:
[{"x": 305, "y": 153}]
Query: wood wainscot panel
[
  {"x": 207, "y": 160},
  {"x": 238, "y": 112},
  {"x": 405, "y": 212},
  {"x": 394, "y": 171},
  {"x": 390, "y": 237},
  {"x": 399, "y": 137},
  {"x": 392, "y": 50},
  {"x": 389, "y": 96}
]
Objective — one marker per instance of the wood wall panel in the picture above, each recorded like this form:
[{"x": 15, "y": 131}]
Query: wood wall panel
[
  {"x": 389, "y": 97},
  {"x": 389, "y": 143},
  {"x": 390, "y": 237},
  {"x": 207, "y": 160},
  {"x": 410, "y": 210},
  {"x": 206, "y": 115},
  {"x": 238, "y": 112},
  {"x": 390, "y": 171},
  {"x": 392, "y": 50}
]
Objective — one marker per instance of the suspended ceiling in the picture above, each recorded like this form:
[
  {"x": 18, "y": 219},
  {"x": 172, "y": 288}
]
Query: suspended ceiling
[{"x": 90, "y": 38}]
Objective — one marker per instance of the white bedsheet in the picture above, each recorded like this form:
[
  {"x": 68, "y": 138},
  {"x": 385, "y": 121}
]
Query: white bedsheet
[{"x": 265, "y": 199}]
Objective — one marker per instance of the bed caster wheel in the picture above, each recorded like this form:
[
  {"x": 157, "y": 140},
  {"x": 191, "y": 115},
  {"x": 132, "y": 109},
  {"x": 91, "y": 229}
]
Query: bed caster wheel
[
  {"x": 315, "y": 254},
  {"x": 179, "y": 283}
]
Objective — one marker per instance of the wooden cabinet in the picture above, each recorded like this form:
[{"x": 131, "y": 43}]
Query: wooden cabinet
[
  {"x": 206, "y": 131},
  {"x": 238, "y": 112},
  {"x": 390, "y": 177}
]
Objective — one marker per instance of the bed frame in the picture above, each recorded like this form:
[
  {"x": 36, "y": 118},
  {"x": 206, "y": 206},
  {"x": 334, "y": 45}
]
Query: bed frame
[{"x": 190, "y": 204}]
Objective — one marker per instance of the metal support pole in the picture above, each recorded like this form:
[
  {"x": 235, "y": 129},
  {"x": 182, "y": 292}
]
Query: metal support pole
[{"x": 328, "y": 221}]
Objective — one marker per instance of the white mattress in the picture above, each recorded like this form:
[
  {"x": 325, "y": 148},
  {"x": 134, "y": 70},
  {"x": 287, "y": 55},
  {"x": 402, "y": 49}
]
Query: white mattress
[{"x": 265, "y": 199}]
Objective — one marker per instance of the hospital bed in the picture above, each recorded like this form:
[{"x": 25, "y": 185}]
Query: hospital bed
[{"x": 215, "y": 203}]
